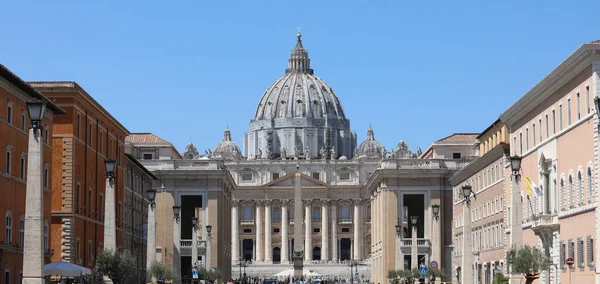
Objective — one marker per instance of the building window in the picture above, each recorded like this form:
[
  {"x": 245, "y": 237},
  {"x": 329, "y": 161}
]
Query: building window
[
  {"x": 77, "y": 197},
  {"x": 578, "y": 108},
  {"x": 7, "y": 276},
  {"x": 22, "y": 230},
  {"x": 455, "y": 155},
  {"x": 79, "y": 126},
  {"x": 560, "y": 117},
  {"x": 580, "y": 260},
  {"x": 91, "y": 140},
  {"x": 571, "y": 193},
  {"x": 101, "y": 143},
  {"x": 540, "y": 124},
  {"x": 246, "y": 177},
  {"x": 46, "y": 176},
  {"x": 533, "y": 134},
  {"x": 9, "y": 113},
  {"x": 345, "y": 214},
  {"x": 274, "y": 176},
  {"x": 101, "y": 206},
  {"x": 90, "y": 203},
  {"x": 47, "y": 134},
  {"x": 316, "y": 175},
  {"x": 78, "y": 251},
  {"x": 276, "y": 230},
  {"x": 22, "y": 166},
  {"x": 514, "y": 145},
  {"x": 147, "y": 156},
  {"x": 562, "y": 196},
  {"x": 316, "y": 214},
  {"x": 547, "y": 129},
  {"x": 571, "y": 251},
  {"x": 553, "y": 122},
  {"x": 276, "y": 214},
  {"x": 521, "y": 143},
  {"x": 110, "y": 148},
  {"x": 580, "y": 187},
  {"x": 569, "y": 112},
  {"x": 247, "y": 216},
  {"x": 345, "y": 230},
  {"x": 8, "y": 229},
  {"x": 46, "y": 236},
  {"x": 590, "y": 250},
  {"x": 344, "y": 176},
  {"x": 316, "y": 230},
  {"x": 8, "y": 159},
  {"x": 23, "y": 121},
  {"x": 527, "y": 139},
  {"x": 563, "y": 254},
  {"x": 590, "y": 188},
  {"x": 587, "y": 98}
]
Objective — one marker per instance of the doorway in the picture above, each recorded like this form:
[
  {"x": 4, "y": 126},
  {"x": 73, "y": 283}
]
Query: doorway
[
  {"x": 345, "y": 249},
  {"x": 276, "y": 255},
  {"x": 247, "y": 249},
  {"x": 316, "y": 253}
]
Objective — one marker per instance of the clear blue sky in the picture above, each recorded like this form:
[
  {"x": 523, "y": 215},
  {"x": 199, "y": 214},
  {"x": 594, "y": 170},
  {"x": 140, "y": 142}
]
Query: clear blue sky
[{"x": 416, "y": 70}]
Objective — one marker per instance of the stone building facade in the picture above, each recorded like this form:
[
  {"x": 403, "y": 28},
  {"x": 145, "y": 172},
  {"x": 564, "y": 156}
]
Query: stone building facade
[
  {"x": 14, "y": 126},
  {"x": 81, "y": 140},
  {"x": 486, "y": 176},
  {"x": 553, "y": 127}
]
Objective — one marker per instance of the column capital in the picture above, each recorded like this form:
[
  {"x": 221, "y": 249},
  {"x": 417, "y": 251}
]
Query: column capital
[
  {"x": 307, "y": 202},
  {"x": 235, "y": 203},
  {"x": 267, "y": 202},
  {"x": 357, "y": 202},
  {"x": 259, "y": 203},
  {"x": 333, "y": 202},
  {"x": 284, "y": 202}
]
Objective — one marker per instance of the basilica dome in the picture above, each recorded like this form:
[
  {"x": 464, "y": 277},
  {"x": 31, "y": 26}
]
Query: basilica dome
[
  {"x": 299, "y": 93},
  {"x": 299, "y": 116},
  {"x": 227, "y": 149},
  {"x": 370, "y": 148}
]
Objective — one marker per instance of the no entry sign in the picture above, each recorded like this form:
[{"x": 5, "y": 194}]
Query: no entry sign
[{"x": 570, "y": 261}]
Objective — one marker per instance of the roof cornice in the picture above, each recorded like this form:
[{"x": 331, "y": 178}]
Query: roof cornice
[{"x": 566, "y": 71}]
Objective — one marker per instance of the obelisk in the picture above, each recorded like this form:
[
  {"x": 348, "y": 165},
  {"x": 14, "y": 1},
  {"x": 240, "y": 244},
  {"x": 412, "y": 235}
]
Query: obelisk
[{"x": 298, "y": 250}]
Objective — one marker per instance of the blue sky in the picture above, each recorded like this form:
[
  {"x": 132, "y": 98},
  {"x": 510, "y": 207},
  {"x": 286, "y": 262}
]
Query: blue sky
[{"x": 416, "y": 70}]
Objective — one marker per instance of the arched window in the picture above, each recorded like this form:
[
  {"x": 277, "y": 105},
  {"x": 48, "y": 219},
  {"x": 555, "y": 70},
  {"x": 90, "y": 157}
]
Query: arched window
[
  {"x": 580, "y": 187},
  {"x": 590, "y": 187},
  {"x": 247, "y": 216},
  {"x": 316, "y": 253},
  {"x": 345, "y": 214},
  {"x": 571, "y": 193},
  {"x": 562, "y": 196}
]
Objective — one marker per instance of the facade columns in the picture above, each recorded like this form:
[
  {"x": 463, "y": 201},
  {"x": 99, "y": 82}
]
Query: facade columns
[
  {"x": 259, "y": 232},
  {"x": 284, "y": 232},
  {"x": 268, "y": 232},
  {"x": 235, "y": 236},
  {"x": 308, "y": 231},
  {"x": 334, "y": 239},
  {"x": 324, "y": 230},
  {"x": 356, "y": 245}
]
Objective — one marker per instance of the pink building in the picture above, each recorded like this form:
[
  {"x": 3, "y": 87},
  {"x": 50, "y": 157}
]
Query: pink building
[{"x": 553, "y": 127}]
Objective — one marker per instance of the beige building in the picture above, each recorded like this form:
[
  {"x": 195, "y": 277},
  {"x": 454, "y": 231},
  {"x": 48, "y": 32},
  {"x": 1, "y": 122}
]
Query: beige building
[
  {"x": 486, "y": 176},
  {"x": 554, "y": 128}
]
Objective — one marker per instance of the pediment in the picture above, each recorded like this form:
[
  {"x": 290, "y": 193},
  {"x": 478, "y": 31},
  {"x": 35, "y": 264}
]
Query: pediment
[{"x": 288, "y": 181}]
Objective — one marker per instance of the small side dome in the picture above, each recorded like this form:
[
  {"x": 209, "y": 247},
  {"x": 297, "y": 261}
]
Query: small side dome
[
  {"x": 370, "y": 148},
  {"x": 227, "y": 149},
  {"x": 343, "y": 158}
]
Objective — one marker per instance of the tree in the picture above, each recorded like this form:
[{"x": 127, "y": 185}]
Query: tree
[
  {"x": 393, "y": 276},
  {"x": 500, "y": 279},
  {"x": 210, "y": 276},
  {"x": 162, "y": 272},
  {"x": 435, "y": 273},
  {"x": 529, "y": 261},
  {"x": 118, "y": 266}
]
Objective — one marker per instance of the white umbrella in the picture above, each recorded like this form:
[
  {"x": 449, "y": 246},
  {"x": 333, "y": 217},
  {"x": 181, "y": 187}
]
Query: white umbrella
[
  {"x": 67, "y": 269},
  {"x": 290, "y": 272}
]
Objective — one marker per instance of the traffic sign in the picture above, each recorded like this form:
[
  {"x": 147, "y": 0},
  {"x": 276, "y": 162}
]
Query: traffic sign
[
  {"x": 356, "y": 275},
  {"x": 422, "y": 269},
  {"x": 195, "y": 274},
  {"x": 433, "y": 264},
  {"x": 570, "y": 261}
]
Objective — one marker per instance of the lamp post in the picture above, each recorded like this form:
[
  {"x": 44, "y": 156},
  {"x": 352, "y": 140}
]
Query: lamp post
[
  {"x": 467, "y": 253},
  {"x": 436, "y": 247},
  {"x": 33, "y": 253},
  {"x": 208, "y": 245},
  {"x": 151, "y": 243},
  {"x": 110, "y": 222},
  {"x": 177, "y": 242},
  {"x": 516, "y": 227},
  {"x": 414, "y": 260},
  {"x": 194, "y": 242},
  {"x": 353, "y": 263}
]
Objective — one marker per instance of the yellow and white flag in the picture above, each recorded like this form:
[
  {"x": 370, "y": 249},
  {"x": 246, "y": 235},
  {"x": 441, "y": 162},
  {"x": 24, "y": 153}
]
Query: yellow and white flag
[{"x": 532, "y": 189}]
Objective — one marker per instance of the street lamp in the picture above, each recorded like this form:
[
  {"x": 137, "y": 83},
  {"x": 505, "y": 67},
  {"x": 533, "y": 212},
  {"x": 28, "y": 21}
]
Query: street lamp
[
  {"x": 435, "y": 208},
  {"x": 208, "y": 229},
  {"x": 176, "y": 210},
  {"x": 353, "y": 263},
  {"x": 398, "y": 227},
  {"x": 414, "y": 220},
  {"x": 466, "y": 189},
  {"x": 194, "y": 222},
  {"x": 151, "y": 196},
  {"x": 33, "y": 249},
  {"x": 194, "y": 242},
  {"x": 110, "y": 165},
  {"x": 36, "y": 110},
  {"x": 515, "y": 164}
]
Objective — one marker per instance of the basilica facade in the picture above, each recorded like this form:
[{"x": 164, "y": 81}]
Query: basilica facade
[{"x": 358, "y": 199}]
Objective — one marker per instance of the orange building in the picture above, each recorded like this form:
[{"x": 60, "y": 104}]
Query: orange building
[
  {"x": 14, "y": 126},
  {"x": 81, "y": 140}
]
